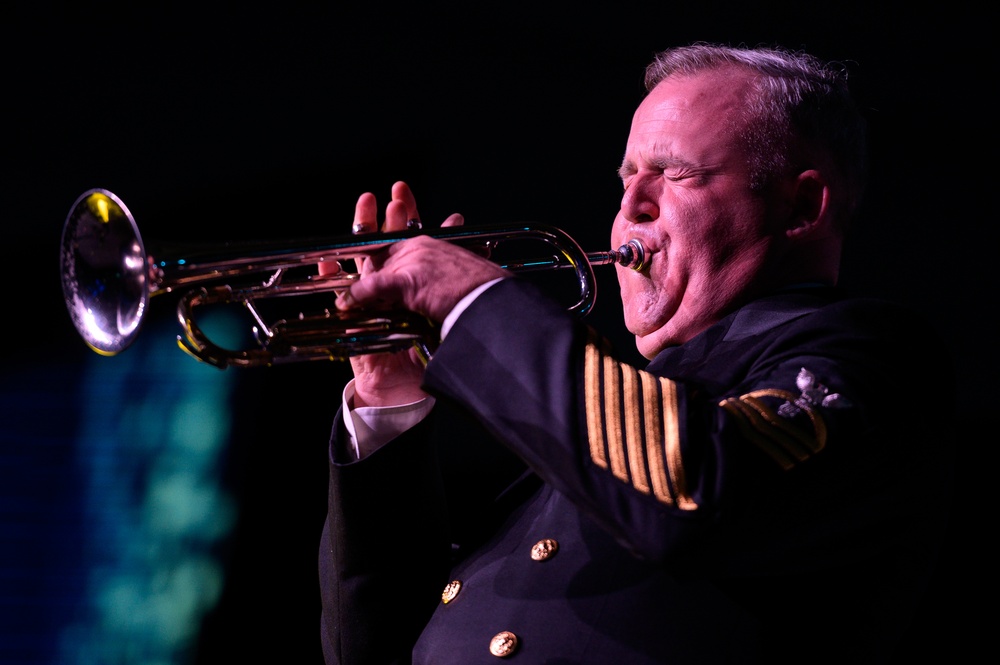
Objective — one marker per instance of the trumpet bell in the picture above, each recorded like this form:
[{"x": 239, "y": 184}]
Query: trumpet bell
[{"x": 104, "y": 272}]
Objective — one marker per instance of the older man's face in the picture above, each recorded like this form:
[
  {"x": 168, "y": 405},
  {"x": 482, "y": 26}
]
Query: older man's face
[{"x": 688, "y": 198}]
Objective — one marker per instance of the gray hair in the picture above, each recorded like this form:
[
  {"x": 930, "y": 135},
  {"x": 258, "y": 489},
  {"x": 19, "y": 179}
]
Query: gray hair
[{"x": 800, "y": 110}]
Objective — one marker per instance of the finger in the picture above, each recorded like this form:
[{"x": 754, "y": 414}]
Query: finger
[
  {"x": 376, "y": 286},
  {"x": 401, "y": 192},
  {"x": 365, "y": 221},
  {"x": 365, "y": 214},
  {"x": 329, "y": 267},
  {"x": 395, "y": 216},
  {"x": 454, "y": 219}
]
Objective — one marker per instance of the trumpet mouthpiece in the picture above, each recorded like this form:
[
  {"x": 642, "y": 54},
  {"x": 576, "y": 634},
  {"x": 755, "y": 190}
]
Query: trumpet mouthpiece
[{"x": 630, "y": 255}]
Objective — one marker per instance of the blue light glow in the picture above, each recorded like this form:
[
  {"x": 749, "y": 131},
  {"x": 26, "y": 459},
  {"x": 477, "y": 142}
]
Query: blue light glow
[{"x": 152, "y": 438}]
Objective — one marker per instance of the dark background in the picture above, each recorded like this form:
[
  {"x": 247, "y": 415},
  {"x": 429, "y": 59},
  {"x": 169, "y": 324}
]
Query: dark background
[{"x": 267, "y": 123}]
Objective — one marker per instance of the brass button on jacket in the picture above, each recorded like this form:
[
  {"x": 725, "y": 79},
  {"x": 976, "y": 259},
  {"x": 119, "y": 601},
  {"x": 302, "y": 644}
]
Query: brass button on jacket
[
  {"x": 450, "y": 591},
  {"x": 544, "y": 549},
  {"x": 503, "y": 644}
]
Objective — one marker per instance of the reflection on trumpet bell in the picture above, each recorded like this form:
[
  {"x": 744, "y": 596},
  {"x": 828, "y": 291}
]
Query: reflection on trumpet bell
[{"x": 109, "y": 277}]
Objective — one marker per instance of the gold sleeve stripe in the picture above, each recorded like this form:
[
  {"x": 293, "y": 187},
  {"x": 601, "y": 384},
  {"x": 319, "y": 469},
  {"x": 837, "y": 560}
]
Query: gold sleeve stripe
[
  {"x": 633, "y": 426},
  {"x": 592, "y": 388},
  {"x": 779, "y": 437},
  {"x": 657, "y": 463},
  {"x": 672, "y": 444},
  {"x": 612, "y": 414}
]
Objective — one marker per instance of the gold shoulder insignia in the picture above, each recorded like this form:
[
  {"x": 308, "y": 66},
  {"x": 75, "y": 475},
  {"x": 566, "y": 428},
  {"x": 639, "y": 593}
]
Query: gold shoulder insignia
[
  {"x": 778, "y": 431},
  {"x": 633, "y": 425}
]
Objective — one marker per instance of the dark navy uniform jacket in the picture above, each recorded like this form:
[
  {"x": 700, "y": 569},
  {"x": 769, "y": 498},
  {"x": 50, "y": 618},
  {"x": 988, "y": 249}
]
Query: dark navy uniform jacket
[{"x": 772, "y": 491}]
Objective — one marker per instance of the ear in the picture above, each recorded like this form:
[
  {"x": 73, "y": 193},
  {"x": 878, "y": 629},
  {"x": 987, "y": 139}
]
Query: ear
[{"x": 810, "y": 204}]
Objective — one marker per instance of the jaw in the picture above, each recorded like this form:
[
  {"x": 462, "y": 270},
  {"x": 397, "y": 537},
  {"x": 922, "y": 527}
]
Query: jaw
[
  {"x": 674, "y": 332},
  {"x": 677, "y": 324},
  {"x": 653, "y": 327},
  {"x": 650, "y": 303},
  {"x": 648, "y": 346}
]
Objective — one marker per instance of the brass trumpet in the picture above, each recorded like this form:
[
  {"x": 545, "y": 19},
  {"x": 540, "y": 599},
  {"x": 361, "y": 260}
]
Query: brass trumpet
[{"x": 109, "y": 277}]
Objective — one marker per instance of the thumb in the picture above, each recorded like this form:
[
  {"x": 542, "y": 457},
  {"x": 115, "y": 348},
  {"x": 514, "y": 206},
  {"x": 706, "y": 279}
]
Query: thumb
[{"x": 375, "y": 287}]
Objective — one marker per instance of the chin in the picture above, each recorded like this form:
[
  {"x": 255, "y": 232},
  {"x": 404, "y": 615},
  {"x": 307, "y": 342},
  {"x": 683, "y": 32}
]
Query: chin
[
  {"x": 656, "y": 340},
  {"x": 646, "y": 347},
  {"x": 644, "y": 317}
]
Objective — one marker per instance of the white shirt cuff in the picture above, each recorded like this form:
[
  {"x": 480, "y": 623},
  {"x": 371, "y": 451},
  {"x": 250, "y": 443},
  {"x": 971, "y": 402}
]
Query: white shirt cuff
[{"x": 370, "y": 427}]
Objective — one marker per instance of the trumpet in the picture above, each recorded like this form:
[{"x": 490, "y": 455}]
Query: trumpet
[{"x": 109, "y": 277}]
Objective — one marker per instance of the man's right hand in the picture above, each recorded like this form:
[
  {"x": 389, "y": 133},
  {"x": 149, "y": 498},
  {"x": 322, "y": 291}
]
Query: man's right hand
[{"x": 387, "y": 379}]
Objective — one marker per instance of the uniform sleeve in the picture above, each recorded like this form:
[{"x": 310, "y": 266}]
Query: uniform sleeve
[{"x": 793, "y": 437}]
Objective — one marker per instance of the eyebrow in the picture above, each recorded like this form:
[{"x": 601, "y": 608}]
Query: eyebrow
[{"x": 662, "y": 162}]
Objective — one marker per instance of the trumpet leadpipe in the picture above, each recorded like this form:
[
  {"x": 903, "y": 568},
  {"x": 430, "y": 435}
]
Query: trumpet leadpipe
[{"x": 630, "y": 255}]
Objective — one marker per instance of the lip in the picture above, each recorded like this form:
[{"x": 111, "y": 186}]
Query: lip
[
  {"x": 643, "y": 274},
  {"x": 646, "y": 234}
]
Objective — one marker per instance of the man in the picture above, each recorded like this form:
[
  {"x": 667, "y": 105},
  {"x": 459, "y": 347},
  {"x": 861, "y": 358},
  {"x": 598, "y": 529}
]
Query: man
[{"x": 765, "y": 490}]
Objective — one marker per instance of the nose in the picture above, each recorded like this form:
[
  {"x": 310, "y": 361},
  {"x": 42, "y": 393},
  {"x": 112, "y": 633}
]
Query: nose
[{"x": 639, "y": 202}]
